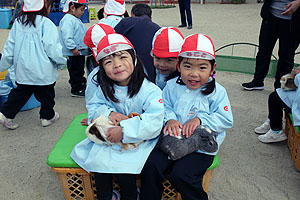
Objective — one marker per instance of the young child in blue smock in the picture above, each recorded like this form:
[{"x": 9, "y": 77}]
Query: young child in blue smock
[
  {"x": 32, "y": 49},
  {"x": 71, "y": 33},
  {"x": 271, "y": 130},
  {"x": 123, "y": 90},
  {"x": 192, "y": 99},
  {"x": 166, "y": 45},
  {"x": 114, "y": 10}
]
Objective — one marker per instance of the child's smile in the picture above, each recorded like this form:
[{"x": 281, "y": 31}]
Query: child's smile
[{"x": 195, "y": 72}]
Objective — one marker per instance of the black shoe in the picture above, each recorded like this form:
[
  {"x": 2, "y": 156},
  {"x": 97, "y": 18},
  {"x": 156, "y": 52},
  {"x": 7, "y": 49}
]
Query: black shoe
[
  {"x": 190, "y": 27},
  {"x": 253, "y": 85},
  {"x": 80, "y": 93},
  {"x": 181, "y": 26}
]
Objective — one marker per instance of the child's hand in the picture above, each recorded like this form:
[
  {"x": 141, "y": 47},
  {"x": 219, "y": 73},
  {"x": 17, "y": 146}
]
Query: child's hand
[
  {"x": 297, "y": 70},
  {"x": 76, "y": 52},
  {"x": 116, "y": 118},
  {"x": 190, "y": 126},
  {"x": 291, "y": 8},
  {"x": 115, "y": 134},
  {"x": 173, "y": 127},
  {"x": 84, "y": 122}
]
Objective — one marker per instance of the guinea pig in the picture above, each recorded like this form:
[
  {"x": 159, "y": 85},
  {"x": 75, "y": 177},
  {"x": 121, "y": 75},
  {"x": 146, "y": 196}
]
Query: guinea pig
[
  {"x": 97, "y": 130},
  {"x": 287, "y": 82}
]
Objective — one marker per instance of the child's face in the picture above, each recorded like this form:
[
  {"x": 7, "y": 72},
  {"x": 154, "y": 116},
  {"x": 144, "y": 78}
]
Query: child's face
[
  {"x": 119, "y": 67},
  {"x": 78, "y": 12},
  {"x": 165, "y": 66},
  {"x": 195, "y": 72}
]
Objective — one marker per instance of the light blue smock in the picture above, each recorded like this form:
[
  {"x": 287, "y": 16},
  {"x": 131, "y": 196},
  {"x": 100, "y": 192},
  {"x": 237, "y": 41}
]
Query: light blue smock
[
  {"x": 292, "y": 100},
  {"x": 183, "y": 104},
  {"x": 91, "y": 85},
  {"x": 111, "y": 20},
  {"x": 160, "y": 79},
  {"x": 71, "y": 34},
  {"x": 110, "y": 159},
  {"x": 34, "y": 52}
]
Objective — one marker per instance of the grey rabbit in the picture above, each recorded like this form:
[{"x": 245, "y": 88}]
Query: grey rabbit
[{"x": 203, "y": 139}]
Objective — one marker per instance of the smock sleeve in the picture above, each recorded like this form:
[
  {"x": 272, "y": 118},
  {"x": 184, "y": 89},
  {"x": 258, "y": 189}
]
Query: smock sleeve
[
  {"x": 67, "y": 34},
  {"x": 220, "y": 116},
  {"x": 168, "y": 104},
  {"x": 7, "y": 58},
  {"x": 52, "y": 47},
  {"x": 148, "y": 125}
]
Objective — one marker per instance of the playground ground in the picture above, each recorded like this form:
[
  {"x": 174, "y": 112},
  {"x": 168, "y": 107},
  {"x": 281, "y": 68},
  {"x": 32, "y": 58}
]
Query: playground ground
[{"x": 248, "y": 170}]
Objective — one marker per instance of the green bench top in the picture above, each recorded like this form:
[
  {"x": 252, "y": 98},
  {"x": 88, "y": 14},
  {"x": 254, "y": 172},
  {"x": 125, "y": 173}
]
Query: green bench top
[
  {"x": 75, "y": 133},
  {"x": 292, "y": 119}
]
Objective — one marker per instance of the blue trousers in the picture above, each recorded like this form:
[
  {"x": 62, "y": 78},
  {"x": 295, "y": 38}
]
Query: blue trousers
[
  {"x": 185, "y": 11},
  {"x": 185, "y": 174}
]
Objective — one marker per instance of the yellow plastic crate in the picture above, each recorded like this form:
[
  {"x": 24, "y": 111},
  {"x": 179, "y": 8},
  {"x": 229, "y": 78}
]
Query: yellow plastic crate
[{"x": 2, "y": 75}]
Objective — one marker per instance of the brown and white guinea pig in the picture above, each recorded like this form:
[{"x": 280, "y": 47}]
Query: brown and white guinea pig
[
  {"x": 287, "y": 82},
  {"x": 97, "y": 130}
]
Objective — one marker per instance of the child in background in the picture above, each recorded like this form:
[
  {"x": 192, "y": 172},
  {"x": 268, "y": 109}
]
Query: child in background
[
  {"x": 124, "y": 89},
  {"x": 166, "y": 45},
  {"x": 72, "y": 31},
  {"x": 114, "y": 9},
  {"x": 192, "y": 99},
  {"x": 271, "y": 130},
  {"x": 32, "y": 49}
]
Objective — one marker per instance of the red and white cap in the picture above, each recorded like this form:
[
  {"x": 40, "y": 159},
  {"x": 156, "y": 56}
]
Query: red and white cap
[
  {"x": 166, "y": 42},
  {"x": 67, "y": 3},
  {"x": 115, "y": 7},
  {"x": 94, "y": 34},
  {"x": 33, "y": 5},
  {"x": 112, "y": 43},
  {"x": 198, "y": 46}
]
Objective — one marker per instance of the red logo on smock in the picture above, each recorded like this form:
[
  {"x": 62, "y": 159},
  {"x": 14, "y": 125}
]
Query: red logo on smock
[
  {"x": 226, "y": 108},
  {"x": 160, "y": 101}
]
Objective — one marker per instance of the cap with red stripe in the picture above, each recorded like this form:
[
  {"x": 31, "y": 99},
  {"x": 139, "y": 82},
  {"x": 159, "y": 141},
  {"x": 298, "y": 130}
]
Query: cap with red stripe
[
  {"x": 33, "y": 5},
  {"x": 67, "y": 3},
  {"x": 166, "y": 42},
  {"x": 112, "y": 43},
  {"x": 94, "y": 34},
  {"x": 115, "y": 7},
  {"x": 198, "y": 46}
]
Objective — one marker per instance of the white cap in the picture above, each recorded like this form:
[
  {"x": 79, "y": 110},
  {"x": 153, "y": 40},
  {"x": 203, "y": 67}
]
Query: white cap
[
  {"x": 112, "y": 43},
  {"x": 198, "y": 46},
  {"x": 33, "y": 5},
  {"x": 115, "y": 7},
  {"x": 67, "y": 3}
]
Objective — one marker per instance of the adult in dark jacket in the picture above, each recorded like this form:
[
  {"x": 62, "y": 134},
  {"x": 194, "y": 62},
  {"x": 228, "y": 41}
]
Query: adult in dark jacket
[
  {"x": 281, "y": 21},
  {"x": 139, "y": 29}
]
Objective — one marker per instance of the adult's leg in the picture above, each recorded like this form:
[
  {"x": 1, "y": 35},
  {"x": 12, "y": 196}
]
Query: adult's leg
[
  {"x": 187, "y": 175},
  {"x": 276, "y": 106},
  {"x": 187, "y": 5},
  {"x": 103, "y": 186},
  {"x": 46, "y": 94},
  {"x": 75, "y": 66},
  {"x": 286, "y": 50},
  {"x": 17, "y": 98},
  {"x": 153, "y": 174},
  {"x": 182, "y": 12},
  {"x": 267, "y": 38},
  {"x": 128, "y": 186}
]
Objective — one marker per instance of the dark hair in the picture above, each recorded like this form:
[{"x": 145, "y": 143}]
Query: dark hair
[
  {"x": 134, "y": 85},
  {"x": 77, "y": 5},
  {"x": 28, "y": 18},
  {"x": 100, "y": 13},
  {"x": 141, "y": 9},
  {"x": 209, "y": 86}
]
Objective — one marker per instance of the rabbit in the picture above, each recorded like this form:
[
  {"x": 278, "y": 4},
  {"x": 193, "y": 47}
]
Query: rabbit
[
  {"x": 97, "y": 130},
  {"x": 177, "y": 147}
]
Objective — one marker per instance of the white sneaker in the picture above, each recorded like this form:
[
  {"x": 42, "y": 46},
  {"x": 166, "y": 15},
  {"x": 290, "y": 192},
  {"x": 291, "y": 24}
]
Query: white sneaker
[
  {"x": 46, "y": 122},
  {"x": 270, "y": 137},
  {"x": 8, "y": 123},
  {"x": 262, "y": 129}
]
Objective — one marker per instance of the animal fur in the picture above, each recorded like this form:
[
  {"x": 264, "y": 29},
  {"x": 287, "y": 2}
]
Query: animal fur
[
  {"x": 97, "y": 130},
  {"x": 177, "y": 147},
  {"x": 287, "y": 82}
]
